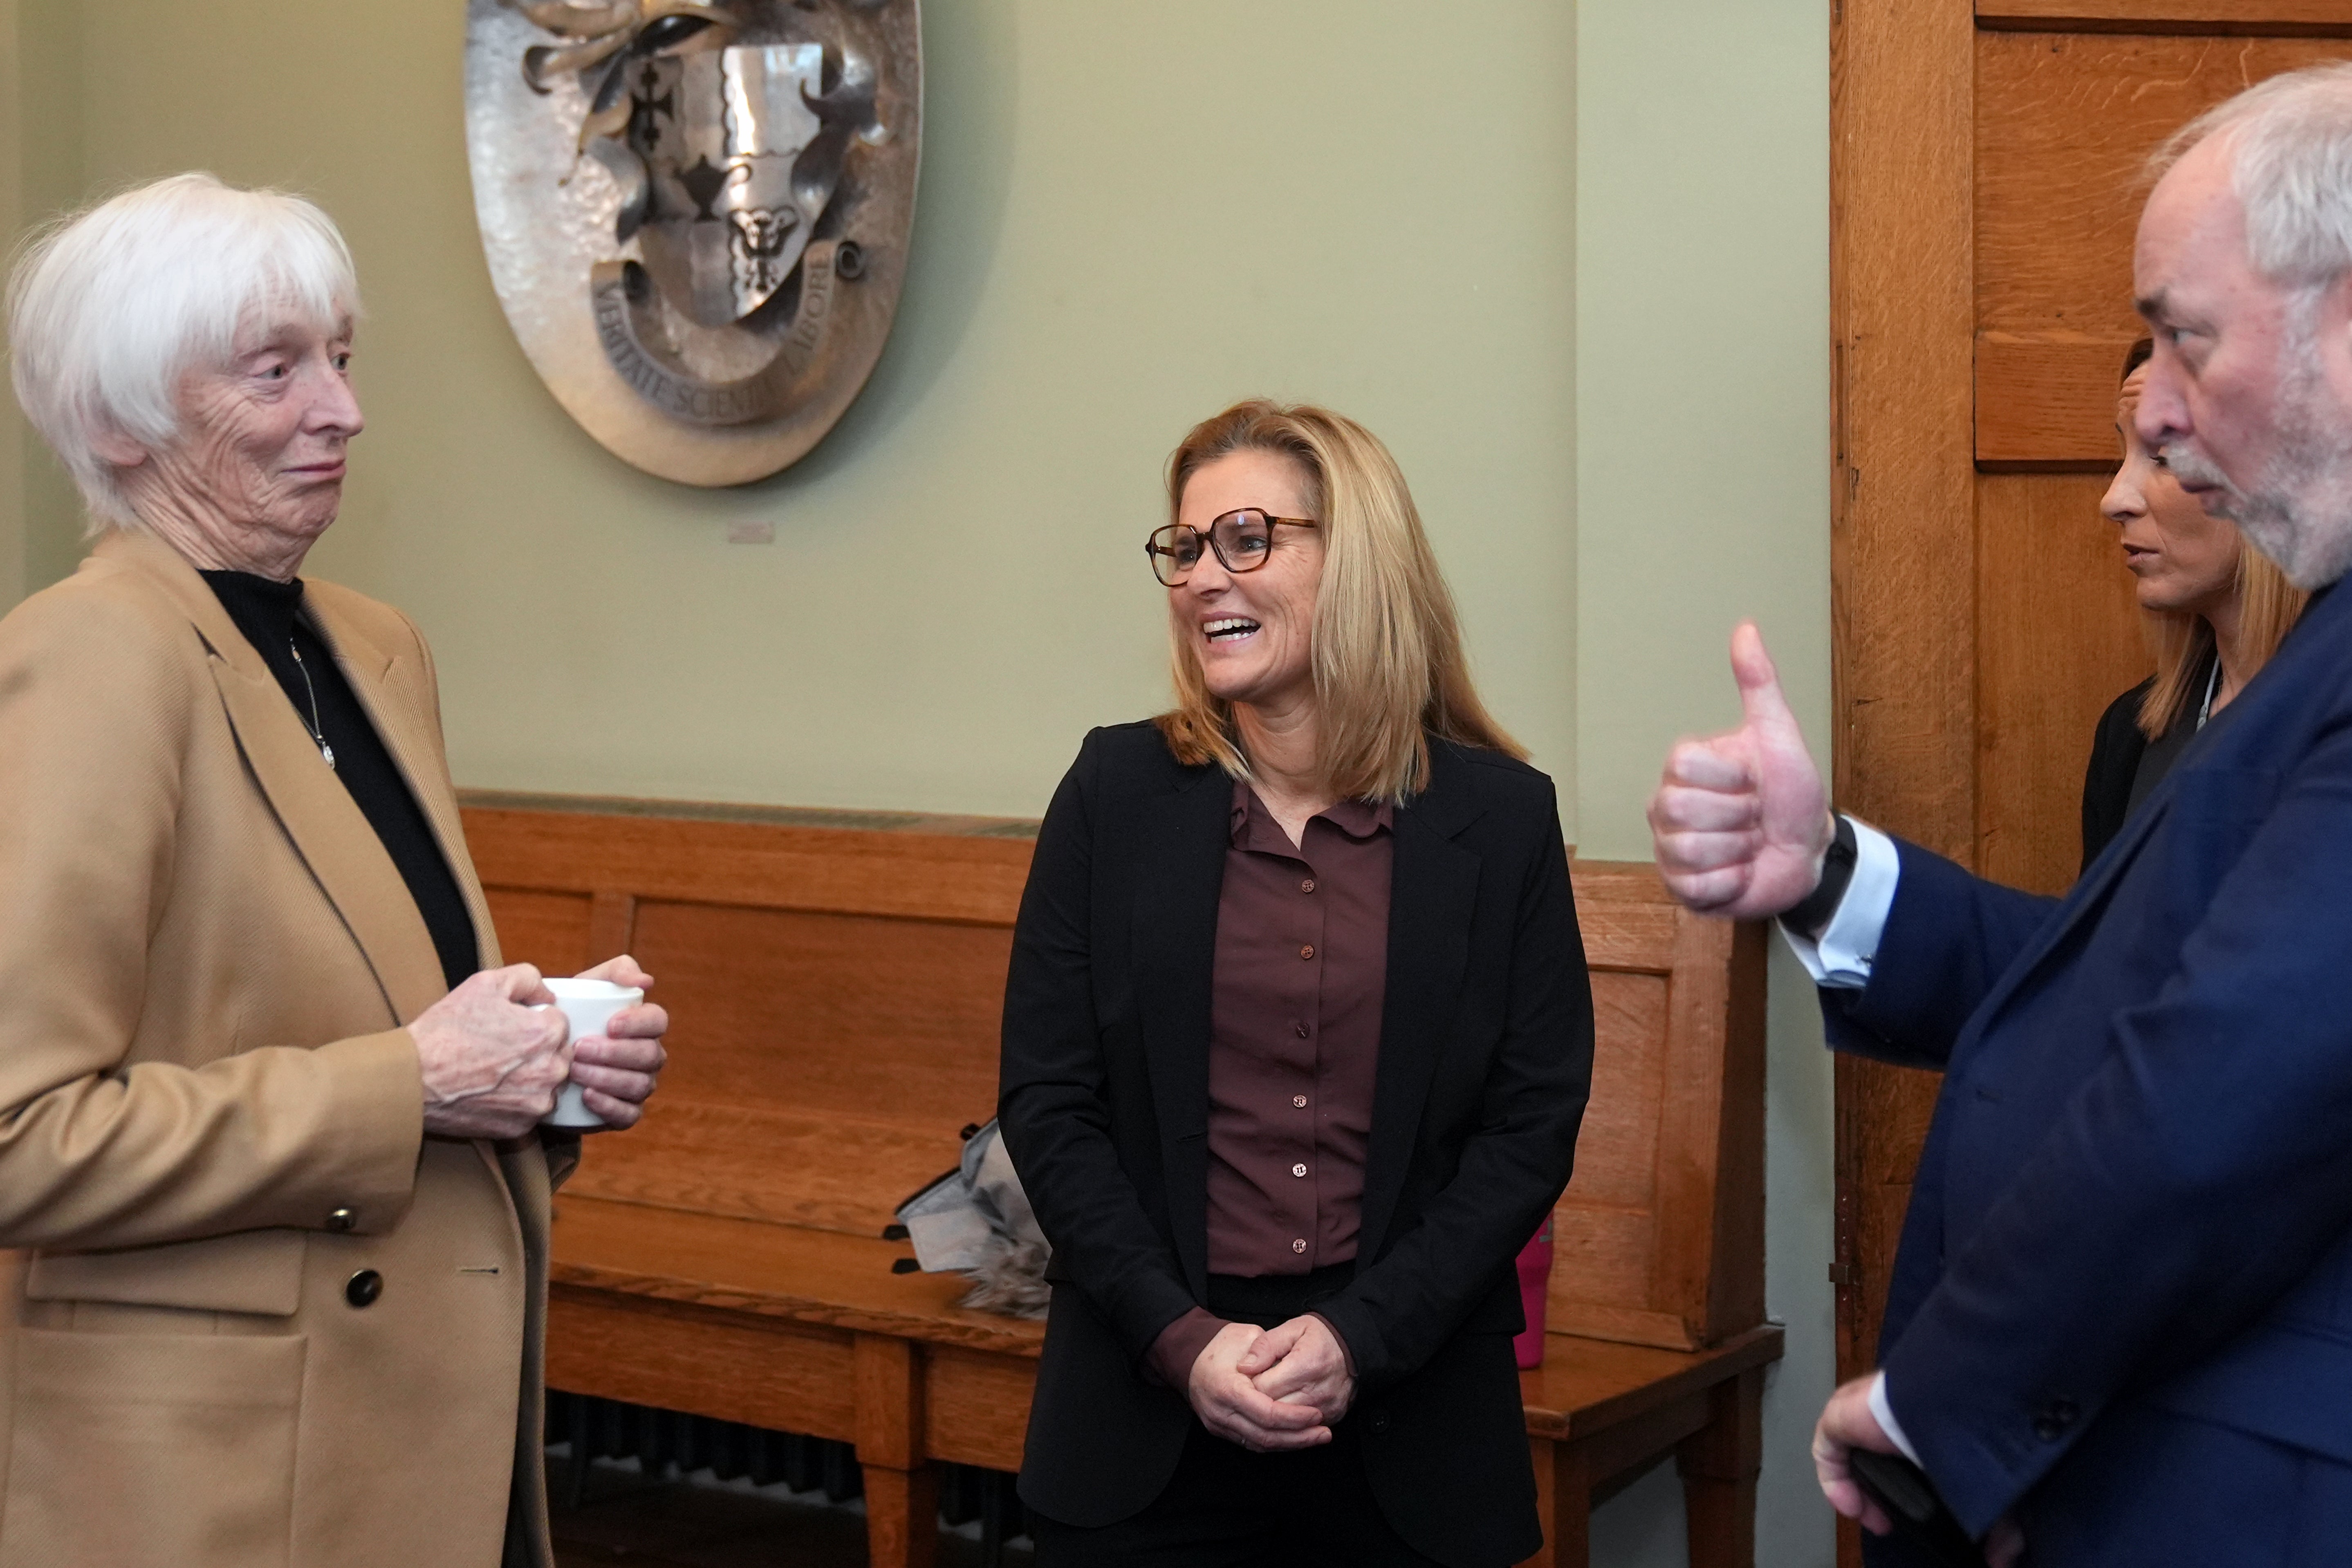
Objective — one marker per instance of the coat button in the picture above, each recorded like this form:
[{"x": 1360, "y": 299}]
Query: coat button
[
  {"x": 343, "y": 1220},
  {"x": 1379, "y": 1421},
  {"x": 364, "y": 1287}
]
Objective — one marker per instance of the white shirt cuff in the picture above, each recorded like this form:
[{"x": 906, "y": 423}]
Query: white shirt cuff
[
  {"x": 1840, "y": 958},
  {"x": 1883, "y": 1413}
]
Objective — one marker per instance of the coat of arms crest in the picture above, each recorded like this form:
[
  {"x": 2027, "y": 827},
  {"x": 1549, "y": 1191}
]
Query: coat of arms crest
[{"x": 697, "y": 215}]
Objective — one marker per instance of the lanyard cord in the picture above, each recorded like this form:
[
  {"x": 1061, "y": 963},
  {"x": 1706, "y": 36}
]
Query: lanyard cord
[{"x": 319, "y": 734}]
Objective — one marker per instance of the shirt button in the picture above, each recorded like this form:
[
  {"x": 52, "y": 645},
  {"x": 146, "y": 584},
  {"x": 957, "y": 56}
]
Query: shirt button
[
  {"x": 343, "y": 1220},
  {"x": 1298, "y": 1170},
  {"x": 1299, "y": 1245},
  {"x": 1299, "y": 1100},
  {"x": 1301, "y": 1028},
  {"x": 1308, "y": 886},
  {"x": 1307, "y": 951}
]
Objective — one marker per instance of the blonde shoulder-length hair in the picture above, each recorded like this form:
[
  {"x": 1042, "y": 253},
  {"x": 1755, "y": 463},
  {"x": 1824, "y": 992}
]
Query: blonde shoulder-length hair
[
  {"x": 1386, "y": 646},
  {"x": 2268, "y": 605}
]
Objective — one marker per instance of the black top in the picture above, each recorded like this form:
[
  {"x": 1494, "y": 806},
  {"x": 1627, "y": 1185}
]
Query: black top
[
  {"x": 2127, "y": 766},
  {"x": 268, "y": 614}
]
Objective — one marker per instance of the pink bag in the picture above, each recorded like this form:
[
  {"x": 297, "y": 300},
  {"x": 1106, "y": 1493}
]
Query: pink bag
[{"x": 1534, "y": 1283}]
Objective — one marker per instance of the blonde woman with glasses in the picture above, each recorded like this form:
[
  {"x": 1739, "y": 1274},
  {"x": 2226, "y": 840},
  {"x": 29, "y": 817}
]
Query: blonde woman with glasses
[{"x": 1297, "y": 1041}]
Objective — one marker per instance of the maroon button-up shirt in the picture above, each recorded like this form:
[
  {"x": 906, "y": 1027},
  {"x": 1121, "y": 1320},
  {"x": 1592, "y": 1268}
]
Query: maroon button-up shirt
[{"x": 1294, "y": 1048}]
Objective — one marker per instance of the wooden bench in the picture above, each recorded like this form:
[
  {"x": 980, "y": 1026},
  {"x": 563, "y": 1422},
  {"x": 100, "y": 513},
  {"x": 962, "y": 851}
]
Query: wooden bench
[{"x": 835, "y": 980}]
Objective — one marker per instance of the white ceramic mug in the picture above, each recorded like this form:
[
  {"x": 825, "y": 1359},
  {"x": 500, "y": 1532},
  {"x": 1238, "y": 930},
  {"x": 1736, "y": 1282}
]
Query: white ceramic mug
[{"x": 588, "y": 1005}]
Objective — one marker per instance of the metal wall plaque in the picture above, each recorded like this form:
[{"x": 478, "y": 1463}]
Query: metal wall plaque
[{"x": 697, "y": 215}]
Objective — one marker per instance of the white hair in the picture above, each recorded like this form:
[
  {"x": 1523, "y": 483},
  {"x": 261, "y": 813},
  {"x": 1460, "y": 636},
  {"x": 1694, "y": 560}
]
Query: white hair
[
  {"x": 2290, "y": 144},
  {"x": 110, "y": 309}
]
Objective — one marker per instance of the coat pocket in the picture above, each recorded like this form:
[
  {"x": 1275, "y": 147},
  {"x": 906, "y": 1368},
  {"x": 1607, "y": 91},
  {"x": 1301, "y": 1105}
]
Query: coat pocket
[
  {"x": 151, "y": 1450},
  {"x": 253, "y": 1271}
]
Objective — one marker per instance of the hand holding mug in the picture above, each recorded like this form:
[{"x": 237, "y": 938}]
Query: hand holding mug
[
  {"x": 616, "y": 1046},
  {"x": 491, "y": 1055}
]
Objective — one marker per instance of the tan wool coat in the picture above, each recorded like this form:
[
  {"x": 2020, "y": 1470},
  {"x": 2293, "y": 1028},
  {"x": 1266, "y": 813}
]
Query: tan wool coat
[{"x": 211, "y": 1117}]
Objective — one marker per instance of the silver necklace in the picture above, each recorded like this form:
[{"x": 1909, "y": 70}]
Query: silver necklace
[
  {"x": 317, "y": 735},
  {"x": 2212, "y": 683}
]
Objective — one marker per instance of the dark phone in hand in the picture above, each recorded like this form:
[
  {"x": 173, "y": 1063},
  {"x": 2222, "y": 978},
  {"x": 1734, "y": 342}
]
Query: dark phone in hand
[{"x": 1906, "y": 1495}]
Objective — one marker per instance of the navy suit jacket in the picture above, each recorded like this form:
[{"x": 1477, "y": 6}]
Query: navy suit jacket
[{"x": 2131, "y": 1230}]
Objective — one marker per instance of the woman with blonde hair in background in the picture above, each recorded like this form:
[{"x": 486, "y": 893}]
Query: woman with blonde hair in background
[
  {"x": 2217, "y": 608},
  {"x": 1297, "y": 1042}
]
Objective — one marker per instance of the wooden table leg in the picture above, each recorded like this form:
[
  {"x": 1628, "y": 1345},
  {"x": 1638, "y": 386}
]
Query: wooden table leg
[
  {"x": 902, "y": 1496},
  {"x": 902, "y": 1516},
  {"x": 1564, "y": 1504},
  {"x": 1720, "y": 1464}
]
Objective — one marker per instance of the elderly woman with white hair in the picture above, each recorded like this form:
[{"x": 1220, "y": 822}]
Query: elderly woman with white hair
[{"x": 269, "y": 1156}]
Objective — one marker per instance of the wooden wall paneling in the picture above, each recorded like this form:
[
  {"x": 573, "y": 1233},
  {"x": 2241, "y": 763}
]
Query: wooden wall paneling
[
  {"x": 612, "y": 923},
  {"x": 2061, "y": 637},
  {"x": 551, "y": 931},
  {"x": 1902, "y": 524},
  {"x": 753, "y": 863},
  {"x": 816, "y": 1011},
  {"x": 2279, "y": 18}
]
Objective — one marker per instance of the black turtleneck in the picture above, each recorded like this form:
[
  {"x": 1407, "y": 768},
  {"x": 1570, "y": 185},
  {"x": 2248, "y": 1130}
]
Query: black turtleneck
[{"x": 268, "y": 614}]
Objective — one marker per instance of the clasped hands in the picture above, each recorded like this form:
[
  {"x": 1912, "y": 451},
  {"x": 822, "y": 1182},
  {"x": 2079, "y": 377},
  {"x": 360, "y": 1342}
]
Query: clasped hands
[
  {"x": 1273, "y": 1389},
  {"x": 492, "y": 1054}
]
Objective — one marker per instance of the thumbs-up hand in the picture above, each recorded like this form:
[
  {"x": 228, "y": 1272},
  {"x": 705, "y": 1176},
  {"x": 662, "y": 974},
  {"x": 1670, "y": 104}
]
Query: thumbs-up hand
[{"x": 1740, "y": 821}]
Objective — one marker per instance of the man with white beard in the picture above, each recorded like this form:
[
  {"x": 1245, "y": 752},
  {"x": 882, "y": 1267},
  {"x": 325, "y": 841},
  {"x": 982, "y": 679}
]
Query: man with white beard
[{"x": 2120, "y": 1326}]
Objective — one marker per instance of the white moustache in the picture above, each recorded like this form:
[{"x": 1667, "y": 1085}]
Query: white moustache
[{"x": 2191, "y": 466}]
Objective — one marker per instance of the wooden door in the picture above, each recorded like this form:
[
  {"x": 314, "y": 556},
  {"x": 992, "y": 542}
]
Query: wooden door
[{"x": 1984, "y": 188}]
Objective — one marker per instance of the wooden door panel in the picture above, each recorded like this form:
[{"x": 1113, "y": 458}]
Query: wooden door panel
[
  {"x": 2223, "y": 17},
  {"x": 2058, "y": 636},
  {"x": 2045, "y": 401},
  {"x": 2063, "y": 129}
]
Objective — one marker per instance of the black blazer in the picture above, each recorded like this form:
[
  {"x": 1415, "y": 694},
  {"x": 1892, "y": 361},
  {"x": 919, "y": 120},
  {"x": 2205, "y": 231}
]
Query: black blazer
[{"x": 1486, "y": 1057}]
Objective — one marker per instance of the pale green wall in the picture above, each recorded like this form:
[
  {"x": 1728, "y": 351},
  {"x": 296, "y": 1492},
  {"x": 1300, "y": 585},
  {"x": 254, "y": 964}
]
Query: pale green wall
[
  {"x": 1702, "y": 467},
  {"x": 1130, "y": 215}
]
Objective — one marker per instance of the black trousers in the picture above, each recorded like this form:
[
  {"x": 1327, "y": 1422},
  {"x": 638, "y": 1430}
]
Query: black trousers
[{"x": 1228, "y": 1508}]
